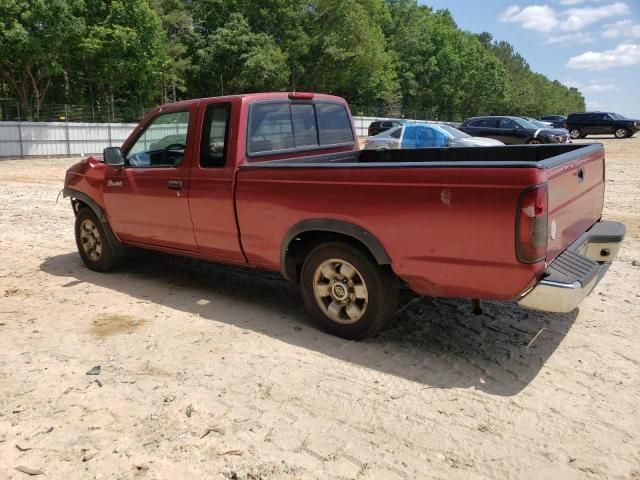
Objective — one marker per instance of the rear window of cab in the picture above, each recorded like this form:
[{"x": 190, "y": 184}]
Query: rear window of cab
[{"x": 285, "y": 126}]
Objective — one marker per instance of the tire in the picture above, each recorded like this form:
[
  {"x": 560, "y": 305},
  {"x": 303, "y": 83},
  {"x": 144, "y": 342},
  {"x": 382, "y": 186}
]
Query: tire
[
  {"x": 575, "y": 133},
  {"x": 621, "y": 133},
  {"x": 347, "y": 293},
  {"x": 94, "y": 242},
  {"x": 534, "y": 141}
]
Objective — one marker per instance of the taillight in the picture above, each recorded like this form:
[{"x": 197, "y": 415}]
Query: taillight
[{"x": 531, "y": 225}]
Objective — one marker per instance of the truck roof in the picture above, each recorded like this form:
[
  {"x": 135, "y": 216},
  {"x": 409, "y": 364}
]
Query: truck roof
[{"x": 257, "y": 96}]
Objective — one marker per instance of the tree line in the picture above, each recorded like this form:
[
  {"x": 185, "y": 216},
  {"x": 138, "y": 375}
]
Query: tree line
[{"x": 391, "y": 57}]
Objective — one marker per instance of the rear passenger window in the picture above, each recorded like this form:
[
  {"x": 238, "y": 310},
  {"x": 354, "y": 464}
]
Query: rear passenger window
[
  {"x": 505, "y": 123},
  {"x": 214, "y": 135},
  {"x": 304, "y": 125},
  {"x": 276, "y": 127},
  {"x": 396, "y": 133},
  {"x": 270, "y": 128},
  {"x": 483, "y": 122},
  {"x": 333, "y": 124}
]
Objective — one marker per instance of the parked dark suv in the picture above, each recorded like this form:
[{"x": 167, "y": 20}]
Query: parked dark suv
[
  {"x": 380, "y": 126},
  {"x": 593, "y": 123},
  {"x": 556, "y": 120},
  {"x": 512, "y": 130}
]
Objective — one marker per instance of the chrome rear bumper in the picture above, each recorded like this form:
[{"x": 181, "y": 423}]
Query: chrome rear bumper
[{"x": 576, "y": 271}]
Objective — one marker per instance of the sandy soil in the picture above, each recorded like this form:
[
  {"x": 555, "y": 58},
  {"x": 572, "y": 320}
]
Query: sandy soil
[{"x": 216, "y": 372}]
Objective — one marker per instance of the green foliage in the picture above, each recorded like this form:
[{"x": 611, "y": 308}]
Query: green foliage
[
  {"x": 391, "y": 57},
  {"x": 37, "y": 41},
  {"x": 234, "y": 59}
]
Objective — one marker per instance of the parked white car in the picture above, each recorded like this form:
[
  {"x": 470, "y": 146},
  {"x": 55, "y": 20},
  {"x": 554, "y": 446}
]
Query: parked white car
[{"x": 425, "y": 135}]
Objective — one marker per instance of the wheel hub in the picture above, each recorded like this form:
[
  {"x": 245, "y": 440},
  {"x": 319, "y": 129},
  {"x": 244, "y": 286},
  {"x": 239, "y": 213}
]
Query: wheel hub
[
  {"x": 340, "y": 291},
  {"x": 90, "y": 238}
]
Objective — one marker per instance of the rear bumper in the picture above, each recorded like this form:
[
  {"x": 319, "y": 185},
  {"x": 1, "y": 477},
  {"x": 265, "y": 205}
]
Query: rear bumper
[{"x": 576, "y": 271}]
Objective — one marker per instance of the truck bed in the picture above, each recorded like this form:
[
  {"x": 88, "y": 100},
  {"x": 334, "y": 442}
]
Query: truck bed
[
  {"x": 523, "y": 156},
  {"x": 446, "y": 217}
]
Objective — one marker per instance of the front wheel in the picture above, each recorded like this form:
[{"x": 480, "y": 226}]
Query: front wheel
[
  {"x": 534, "y": 141},
  {"x": 94, "y": 246},
  {"x": 347, "y": 292},
  {"x": 621, "y": 133}
]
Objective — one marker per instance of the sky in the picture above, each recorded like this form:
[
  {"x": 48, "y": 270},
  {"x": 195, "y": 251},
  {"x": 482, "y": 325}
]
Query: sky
[{"x": 593, "y": 45}]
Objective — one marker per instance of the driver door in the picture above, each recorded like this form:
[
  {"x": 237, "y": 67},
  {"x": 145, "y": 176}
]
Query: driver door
[{"x": 147, "y": 200}]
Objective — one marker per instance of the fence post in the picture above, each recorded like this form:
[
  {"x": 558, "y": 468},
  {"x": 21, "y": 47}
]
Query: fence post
[
  {"x": 20, "y": 131},
  {"x": 66, "y": 129},
  {"x": 109, "y": 130}
]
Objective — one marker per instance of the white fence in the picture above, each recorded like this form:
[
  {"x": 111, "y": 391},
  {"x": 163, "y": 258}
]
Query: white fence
[{"x": 22, "y": 139}]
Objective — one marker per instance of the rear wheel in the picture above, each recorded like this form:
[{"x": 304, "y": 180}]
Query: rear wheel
[
  {"x": 575, "y": 133},
  {"x": 347, "y": 292},
  {"x": 93, "y": 243},
  {"x": 621, "y": 133}
]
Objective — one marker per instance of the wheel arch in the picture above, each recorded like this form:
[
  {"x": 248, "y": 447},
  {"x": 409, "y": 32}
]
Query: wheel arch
[
  {"x": 304, "y": 236},
  {"x": 78, "y": 199}
]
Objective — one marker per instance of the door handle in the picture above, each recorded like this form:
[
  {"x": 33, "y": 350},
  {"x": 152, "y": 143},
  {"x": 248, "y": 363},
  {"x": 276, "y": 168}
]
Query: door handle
[
  {"x": 580, "y": 175},
  {"x": 175, "y": 184}
]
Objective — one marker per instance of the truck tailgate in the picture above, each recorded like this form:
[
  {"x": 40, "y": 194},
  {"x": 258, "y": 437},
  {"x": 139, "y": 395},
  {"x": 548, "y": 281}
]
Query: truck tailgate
[{"x": 575, "y": 196}]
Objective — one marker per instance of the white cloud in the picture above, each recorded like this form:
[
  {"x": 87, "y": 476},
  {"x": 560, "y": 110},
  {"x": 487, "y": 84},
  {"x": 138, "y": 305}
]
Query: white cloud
[
  {"x": 576, "y": 2},
  {"x": 624, "y": 55},
  {"x": 543, "y": 18},
  {"x": 625, "y": 28},
  {"x": 578, "y": 18},
  {"x": 571, "y": 38},
  {"x": 592, "y": 87}
]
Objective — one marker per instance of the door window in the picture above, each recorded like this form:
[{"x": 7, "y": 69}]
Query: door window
[
  {"x": 506, "y": 123},
  {"x": 429, "y": 137},
  {"x": 163, "y": 142},
  {"x": 213, "y": 149}
]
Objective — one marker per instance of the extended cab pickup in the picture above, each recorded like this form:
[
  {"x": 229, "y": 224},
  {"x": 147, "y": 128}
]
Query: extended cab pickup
[{"x": 276, "y": 181}]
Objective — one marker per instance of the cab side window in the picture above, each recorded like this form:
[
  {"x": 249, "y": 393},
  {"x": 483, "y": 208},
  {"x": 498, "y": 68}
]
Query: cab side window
[
  {"x": 163, "y": 142},
  {"x": 506, "y": 123},
  {"x": 213, "y": 149}
]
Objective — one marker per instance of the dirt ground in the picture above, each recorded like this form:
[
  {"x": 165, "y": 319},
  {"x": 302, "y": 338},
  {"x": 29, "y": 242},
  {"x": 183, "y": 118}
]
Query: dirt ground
[{"x": 217, "y": 372}]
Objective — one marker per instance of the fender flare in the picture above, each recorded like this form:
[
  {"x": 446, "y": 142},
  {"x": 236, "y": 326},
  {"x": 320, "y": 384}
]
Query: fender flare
[
  {"x": 71, "y": 193},
  {"x": 332, "y": 226},
  {"x": 93, "y": 205}
]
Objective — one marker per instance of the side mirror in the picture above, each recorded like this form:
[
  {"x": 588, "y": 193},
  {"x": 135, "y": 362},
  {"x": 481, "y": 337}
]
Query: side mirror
[{"x": 113, "y": 156}]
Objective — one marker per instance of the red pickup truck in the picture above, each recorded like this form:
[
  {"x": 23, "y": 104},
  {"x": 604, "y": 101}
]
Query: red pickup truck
[{"x": 276, "y": 181}]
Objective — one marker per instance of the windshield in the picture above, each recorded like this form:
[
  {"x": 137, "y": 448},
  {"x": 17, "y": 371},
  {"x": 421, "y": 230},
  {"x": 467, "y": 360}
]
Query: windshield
[
  {"x": 617, "y": 116},
  {"x": 454, "y": 131},
  {"x": 525, "y": 123}
]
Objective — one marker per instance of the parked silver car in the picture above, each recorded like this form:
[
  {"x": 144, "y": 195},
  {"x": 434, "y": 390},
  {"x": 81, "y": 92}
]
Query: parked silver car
[{"x": 425, "y": 135}]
